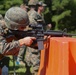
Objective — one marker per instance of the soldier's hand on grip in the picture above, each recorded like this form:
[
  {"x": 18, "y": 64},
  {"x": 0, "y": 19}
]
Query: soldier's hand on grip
[{"x": 26, "y": 41}]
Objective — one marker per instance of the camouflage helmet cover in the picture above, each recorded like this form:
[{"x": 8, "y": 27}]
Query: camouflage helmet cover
[
  {"x": 16, "y": 17},
  {"x": 32, "y": 2}
]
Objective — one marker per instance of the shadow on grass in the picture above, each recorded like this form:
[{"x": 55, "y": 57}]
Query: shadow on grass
[{"x": 19, "y": 70}]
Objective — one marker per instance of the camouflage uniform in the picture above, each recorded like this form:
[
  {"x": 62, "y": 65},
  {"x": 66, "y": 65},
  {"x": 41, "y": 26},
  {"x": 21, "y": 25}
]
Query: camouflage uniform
[
  {"x": 32, "y": 17},
  {"x": 14, "y": 18},
  {"x": 42, "y": 5},
  {"x": 40, "y": 17},
  {"x": 5, "y": 47}
]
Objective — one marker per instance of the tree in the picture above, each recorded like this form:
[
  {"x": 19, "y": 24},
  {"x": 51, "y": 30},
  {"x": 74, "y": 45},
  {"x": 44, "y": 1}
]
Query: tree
[
  {"x": 60, "y": 11},
  {"x": 62, "y": 14},
  {"x": 59, "y": 17},
  {"x": 6, "y": 4}
]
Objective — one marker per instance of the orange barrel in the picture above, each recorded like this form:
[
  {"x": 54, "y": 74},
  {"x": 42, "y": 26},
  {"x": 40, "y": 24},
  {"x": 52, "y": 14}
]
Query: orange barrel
[
  {"x": 72, "y": 57},
  {"x": 44, "y": 58},
  {"x": 58, "y": 57}
]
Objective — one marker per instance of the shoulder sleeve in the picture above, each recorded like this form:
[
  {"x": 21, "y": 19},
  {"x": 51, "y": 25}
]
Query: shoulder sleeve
[
  {"x": 8, "y": 48},
  {"x": 33, "y": 17}
]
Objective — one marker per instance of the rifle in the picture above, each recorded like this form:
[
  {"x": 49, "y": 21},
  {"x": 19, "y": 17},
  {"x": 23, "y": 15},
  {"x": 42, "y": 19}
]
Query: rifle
[{"x": 38, "y": 32}]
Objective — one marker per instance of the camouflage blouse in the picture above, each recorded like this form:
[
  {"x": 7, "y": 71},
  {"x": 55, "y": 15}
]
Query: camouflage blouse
[{"x": 8, "y": 48}]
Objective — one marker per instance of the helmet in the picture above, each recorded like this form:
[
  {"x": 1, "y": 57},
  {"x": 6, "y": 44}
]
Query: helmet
[
  {"x": 32, "y": 2},
  {"x": 16, "y": 17}
]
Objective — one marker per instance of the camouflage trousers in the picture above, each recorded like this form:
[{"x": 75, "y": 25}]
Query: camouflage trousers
[{"x": 31, "y": 57}]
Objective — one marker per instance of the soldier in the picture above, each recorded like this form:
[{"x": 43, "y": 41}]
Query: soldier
[
  {"x": 33, "y": 11},
  {"x": 35, "y": 16},
  {"x": 34, "y": 61},
  {"x": 16, "y": 19},
  {"x": 40, "y": 9}
]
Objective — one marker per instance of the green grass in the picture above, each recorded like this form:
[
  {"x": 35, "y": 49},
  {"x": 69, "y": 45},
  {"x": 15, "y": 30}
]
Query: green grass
[{"x": 19, "y": 69}]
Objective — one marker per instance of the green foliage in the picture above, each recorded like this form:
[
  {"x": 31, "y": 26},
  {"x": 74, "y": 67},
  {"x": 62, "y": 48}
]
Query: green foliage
[
  {"x": 6, "y": 4},
  {"x": 60, "y": 13},
  {"x": 69, "y": 22},
  {"x": 19, "y": 69},
  {"x": 59, "y": 5},
  {"x": 57, "y": 18}
]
